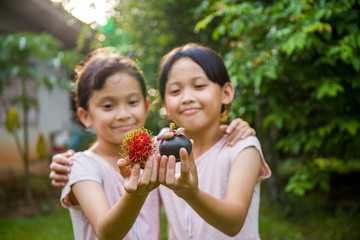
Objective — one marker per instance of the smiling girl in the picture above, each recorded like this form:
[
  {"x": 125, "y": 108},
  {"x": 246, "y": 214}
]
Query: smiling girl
[
  {"x": 217, "y": 187},
  {"x": 111, "y": 99}
]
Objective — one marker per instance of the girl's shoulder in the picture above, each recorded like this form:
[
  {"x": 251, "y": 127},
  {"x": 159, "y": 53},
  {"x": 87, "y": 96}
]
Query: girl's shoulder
[
  {"x": 253, "y": 141},
  {"x": 248, "y": 142},
  {"x": 86, "y": 161}
]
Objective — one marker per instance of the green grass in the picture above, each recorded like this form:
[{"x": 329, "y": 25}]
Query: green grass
[
  {"x": 321, "y": 216},
  {"x": 47, "y": 224},
  {"x": 163, "y": 225},
  {"x": 52, "y": 225},
  {"x": 294, "y": 219}
]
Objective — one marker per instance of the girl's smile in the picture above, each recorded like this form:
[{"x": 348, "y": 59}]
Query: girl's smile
[
  {"x": 116, "y": 109},
  {"x": 191, "y": 99},
  {"x": 189, "y": 111},
  {"x": 124, "y": 127}
]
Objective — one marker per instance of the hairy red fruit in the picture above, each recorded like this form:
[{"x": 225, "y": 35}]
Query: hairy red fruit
[{"x": 138, "y": 146}]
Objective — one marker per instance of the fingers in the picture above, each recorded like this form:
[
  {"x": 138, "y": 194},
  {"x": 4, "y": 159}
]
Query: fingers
[
  {"x": 61, "y": 163},
  {"x": 237, "y": 130},
  {"x": 58, "y": 184},
  {"x": 184, "y": 158},
  {"x": 69, "y": 153},
  {"x": 141, "y": 182},
  {"x": 170, "y": 172},
  {"x": 223, "y": 128},
  {"x": 58, "y": 174},
  {"x": 154, "y": 173},
  {"x": 59, "y": 177},
  {"x": 60, "y": 167},
  {"x": 124, "y": 170},
  {"x": 249, "y": 132},
  {"x": 147, "y": 173},
  {"x": 131, "y": 185},
  {"x": 162, "y": 169}
]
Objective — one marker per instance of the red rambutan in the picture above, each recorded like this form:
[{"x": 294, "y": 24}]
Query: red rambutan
[{"x": 138, "y": 146}]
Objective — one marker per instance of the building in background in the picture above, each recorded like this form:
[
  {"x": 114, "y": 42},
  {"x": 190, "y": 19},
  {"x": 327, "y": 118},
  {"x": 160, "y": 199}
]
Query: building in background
[{"x": 54, "y": 116}]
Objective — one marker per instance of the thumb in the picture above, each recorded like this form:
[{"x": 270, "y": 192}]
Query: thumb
[
  {"x": 223, "y": 128},
  {"x": 124, "y": 170}
]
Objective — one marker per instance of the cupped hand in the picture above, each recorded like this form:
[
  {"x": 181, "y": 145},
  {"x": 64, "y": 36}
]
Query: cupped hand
[
  {"x": 137, "y": 181},
  {"x": 185, "y": 184}
]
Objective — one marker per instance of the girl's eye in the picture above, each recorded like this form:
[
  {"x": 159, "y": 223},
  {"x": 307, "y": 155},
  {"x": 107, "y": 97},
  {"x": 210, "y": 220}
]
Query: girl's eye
[
  {"x": 174, "y": 92},
  {"x": 133, "y": 102},
  {"x": 200, "y": 86},
  {"x": 107, "y": 106}
]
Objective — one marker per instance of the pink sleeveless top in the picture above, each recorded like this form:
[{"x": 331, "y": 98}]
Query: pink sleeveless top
[
  {"x": 213, "y": 172},
  {"x": 89, "y": 166}
]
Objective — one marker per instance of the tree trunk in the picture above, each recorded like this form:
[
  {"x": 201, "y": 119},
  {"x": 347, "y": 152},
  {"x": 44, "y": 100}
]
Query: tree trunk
[{"x": 27, "y": 179}]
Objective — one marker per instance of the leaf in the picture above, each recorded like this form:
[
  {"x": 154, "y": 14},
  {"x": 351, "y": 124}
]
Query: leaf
[
  {"x": 22, "y": 43},
  {"x": 12, "y": 120},
  {"x": 330, "y": 89},
  {"x": 351, "y": 126},
  {"x": 41, "y": 147}
]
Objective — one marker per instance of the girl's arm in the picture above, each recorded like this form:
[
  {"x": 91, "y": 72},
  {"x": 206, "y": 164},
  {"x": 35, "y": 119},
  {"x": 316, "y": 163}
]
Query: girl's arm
[
  {"x": 61, "y": 165},
  {"x": 226, "y": 215},
  {"x": 115, "y": 222}
]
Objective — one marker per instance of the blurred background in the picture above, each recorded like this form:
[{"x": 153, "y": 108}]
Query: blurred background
[{"x": 295, "y": 66}]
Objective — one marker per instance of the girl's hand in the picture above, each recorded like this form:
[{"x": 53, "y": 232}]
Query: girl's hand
[
  {"x": 140, "y": 182},
  {"x": 238, "y": 129},
  {"x": 60, "y": 167},
  {"x": 184, "y": 185}
]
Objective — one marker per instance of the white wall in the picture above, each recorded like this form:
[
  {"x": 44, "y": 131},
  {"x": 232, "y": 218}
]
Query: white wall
[{"x": 54, "y": 115}]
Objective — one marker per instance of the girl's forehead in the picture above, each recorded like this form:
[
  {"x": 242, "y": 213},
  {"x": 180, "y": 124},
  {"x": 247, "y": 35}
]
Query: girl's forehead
[
  {"x": 121, "y": 83},
  {"x": 185, "y": 68},
  {"x": 184, "y": 62}
]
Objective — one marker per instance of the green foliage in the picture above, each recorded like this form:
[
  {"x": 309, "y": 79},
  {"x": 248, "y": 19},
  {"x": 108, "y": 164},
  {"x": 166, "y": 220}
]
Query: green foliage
[
  {"x": 311, "y": 217},
  {"x": 296, "y": 64},
  {"x": 20, "y": 54},
  {"x": 146, "y": 30}
]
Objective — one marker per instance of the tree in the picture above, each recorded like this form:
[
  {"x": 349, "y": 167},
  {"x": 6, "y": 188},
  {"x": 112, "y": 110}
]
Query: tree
[
  {"x": 19, "y": 54},
  {"x": 296, "y": 68},
  {"x": 147, "y": 30}
]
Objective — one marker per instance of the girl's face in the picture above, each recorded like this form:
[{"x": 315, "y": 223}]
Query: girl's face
[
  {"x": 115, "y": 109},
  {"x": 191, "y": 99}
]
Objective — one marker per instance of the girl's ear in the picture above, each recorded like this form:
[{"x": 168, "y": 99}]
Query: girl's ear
[
  {"x": 84, "y": 117},
  {"x": 147, "y": 107},
  {"x": 228, "y": 93}
]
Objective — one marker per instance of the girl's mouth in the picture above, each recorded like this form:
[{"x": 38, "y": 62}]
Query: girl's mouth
[
  {"x": 124, "y": 127},
  {"x": 190, "y": 111}
]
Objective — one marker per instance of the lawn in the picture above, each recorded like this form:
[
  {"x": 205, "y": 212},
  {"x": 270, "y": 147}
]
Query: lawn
[
  {"x": 314, "y": 216},
  {"x": 55, "y": 224}
]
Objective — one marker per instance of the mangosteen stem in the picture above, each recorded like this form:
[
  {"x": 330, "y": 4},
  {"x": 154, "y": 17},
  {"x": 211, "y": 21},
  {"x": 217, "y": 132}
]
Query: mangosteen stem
[{"x": 172, "y": 127}]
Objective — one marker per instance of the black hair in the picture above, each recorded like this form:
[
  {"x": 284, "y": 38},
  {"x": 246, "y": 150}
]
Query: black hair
[
  {"x": 100, "y": 64},
  {"x": 209, "y": 60}
]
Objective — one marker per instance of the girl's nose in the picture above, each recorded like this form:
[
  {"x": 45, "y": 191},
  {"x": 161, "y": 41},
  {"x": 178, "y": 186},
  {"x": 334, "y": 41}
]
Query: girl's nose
[
  {"x": 122, "y": 113},
  {"x": 187, "y": 97}
]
